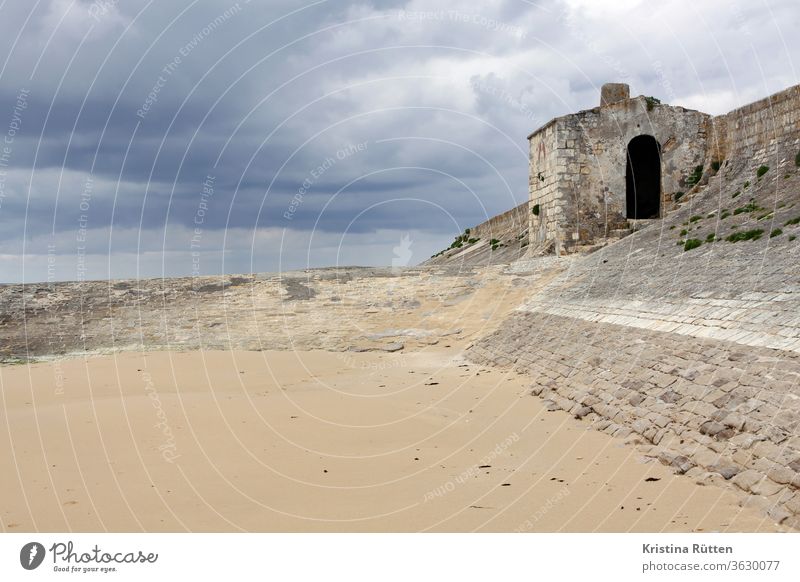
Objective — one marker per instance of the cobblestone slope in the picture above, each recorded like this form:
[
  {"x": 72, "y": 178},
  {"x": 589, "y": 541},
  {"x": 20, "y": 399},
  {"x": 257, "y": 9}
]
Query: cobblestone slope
[{"x": 694, "y": 352}]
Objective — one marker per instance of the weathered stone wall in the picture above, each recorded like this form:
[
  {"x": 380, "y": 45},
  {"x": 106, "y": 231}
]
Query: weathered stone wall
[
  {"x": 580, "y": 185},
  {"x": 600, "y": 157},
  {"x": 757, "y": 130},
  {"x": 509, "y": 229},
  {"x": 511, "y": 221},
  {"x": 578, "y": 161},
  {"x": 543, "y": 181}
]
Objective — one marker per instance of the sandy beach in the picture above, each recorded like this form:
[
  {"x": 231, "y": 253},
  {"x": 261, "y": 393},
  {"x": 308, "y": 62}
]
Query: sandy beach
[{"x": 322, "y": 441}]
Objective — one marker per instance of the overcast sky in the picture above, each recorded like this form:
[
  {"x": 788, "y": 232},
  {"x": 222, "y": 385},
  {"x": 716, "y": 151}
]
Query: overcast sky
[{"x": 179, "y": 137}]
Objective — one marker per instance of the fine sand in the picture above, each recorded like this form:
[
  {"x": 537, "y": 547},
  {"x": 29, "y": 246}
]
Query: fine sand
[{"x": 321, "y": 441}]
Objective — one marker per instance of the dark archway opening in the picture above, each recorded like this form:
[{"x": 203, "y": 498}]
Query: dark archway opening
[{"x": 643, "y": 178}]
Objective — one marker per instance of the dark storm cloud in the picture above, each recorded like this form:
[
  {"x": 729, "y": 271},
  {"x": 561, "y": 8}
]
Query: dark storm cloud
[{"x": 368, "y": 117}]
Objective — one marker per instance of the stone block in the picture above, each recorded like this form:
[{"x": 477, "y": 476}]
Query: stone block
[
  {"x": 734, "y": 420},
  {"x": 793, "y": 503},
  {"x": 782, "y": 475},
  {"x": 727, "y": 470},
  {"x": 705, "y": 456},
  {"x": 748, "y": 479},
  {"x": 766, "y": 487}
]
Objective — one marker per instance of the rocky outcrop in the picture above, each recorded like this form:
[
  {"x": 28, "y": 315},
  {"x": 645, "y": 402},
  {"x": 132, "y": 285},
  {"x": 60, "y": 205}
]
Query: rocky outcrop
[{"x": 339, "y": 309}]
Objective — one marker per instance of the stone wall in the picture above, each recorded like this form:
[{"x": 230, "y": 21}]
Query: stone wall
[
  {"x": 757, "y": 130},
  {"x": 578, "y": 163},
  {"x": 514, "y": 220},
  {"x": 509, "y": 230},
  {"x": 543, "y": 183}
]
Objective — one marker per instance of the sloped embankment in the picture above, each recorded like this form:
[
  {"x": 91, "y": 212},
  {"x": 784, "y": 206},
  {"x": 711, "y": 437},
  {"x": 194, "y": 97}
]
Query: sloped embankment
[
  {"x": 499, "y": 240},
  {"x": 686, "y": 335}
]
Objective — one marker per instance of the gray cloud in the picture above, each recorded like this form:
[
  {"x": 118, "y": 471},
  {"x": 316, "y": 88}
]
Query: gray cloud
[{"x": 143, "y": 101}]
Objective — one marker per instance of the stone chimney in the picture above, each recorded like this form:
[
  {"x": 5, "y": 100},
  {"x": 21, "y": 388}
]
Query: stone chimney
[{"x": 614, "y": 92}]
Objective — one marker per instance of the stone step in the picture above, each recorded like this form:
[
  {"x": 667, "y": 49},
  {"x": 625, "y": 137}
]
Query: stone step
[{"x": 619, "y": 232}]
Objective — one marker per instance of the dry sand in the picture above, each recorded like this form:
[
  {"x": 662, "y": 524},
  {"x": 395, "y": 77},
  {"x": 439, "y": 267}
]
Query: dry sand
[{"x": 321, "y": 441}]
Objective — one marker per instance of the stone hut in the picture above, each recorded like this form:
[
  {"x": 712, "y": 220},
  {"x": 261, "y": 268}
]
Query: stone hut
[{"x": 628, "y": 159}]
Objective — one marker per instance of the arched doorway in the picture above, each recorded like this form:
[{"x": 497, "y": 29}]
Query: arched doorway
[{"x": 643, "y": 178}]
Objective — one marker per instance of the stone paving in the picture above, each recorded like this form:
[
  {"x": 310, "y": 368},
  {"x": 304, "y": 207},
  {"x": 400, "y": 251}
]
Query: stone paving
[{"x": 716, "y": 410}]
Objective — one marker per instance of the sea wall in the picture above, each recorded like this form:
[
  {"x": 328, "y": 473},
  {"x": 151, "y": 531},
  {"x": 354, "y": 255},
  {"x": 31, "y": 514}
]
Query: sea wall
[{"x": 757, "y": 131}]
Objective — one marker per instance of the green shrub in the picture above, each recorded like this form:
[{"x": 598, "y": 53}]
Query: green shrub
[
  {"x": 692, "y": 243},
  {"x": 672, "y": 227},
  {"x": 746, "y": 184},
  {"x": 795, "y": 220},
  {"x": 776, "y": 232},
  {"x": 695, "y": 176},
  {"x": 695, "y": 218},
  {"x": 797, "y": 160},
  {"x": 716, "y": 165},
  {"x": 791, "y": 238},
  {"x": 725, "y": 214},
  {"x": 459, "y": 241},
  {"x": 684, "y": 232},
  {"x": 761, "y": 171},
  {"x": 678, "y": 196},
  {"x": 749, "y": 207},
  {"x": 652, "y": 102},
  {"x": 735, "y": 194},
  {"x": 472, "y": 241},
  {"x": 535, "y": 210},
  {"x": 753, "y": 234},
  {"x": 710, "y": 237}
]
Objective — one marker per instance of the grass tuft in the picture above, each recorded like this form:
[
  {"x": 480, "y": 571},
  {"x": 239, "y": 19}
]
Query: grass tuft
[
  {"x": 753, "y": 234},
  {"x": 692, "y": 243}
]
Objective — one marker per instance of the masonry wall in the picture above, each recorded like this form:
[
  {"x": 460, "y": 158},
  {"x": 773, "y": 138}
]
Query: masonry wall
[
  {"x": 597, "y": 159},
  {"x": 578, "y": 165},
  {"x": 756, "y": 131},
  {"x": 544, "y": 178},
  {"x": 511, "y": 221}
]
